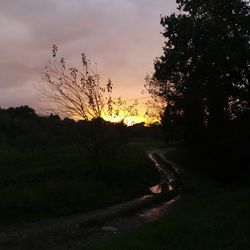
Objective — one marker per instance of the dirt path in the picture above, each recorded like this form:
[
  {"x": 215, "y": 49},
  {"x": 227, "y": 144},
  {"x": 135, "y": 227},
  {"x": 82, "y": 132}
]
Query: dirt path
[{"x": 85, "y": 229}]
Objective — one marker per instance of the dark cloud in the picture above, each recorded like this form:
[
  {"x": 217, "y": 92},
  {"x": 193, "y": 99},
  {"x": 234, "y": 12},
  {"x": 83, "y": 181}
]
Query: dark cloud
[{"x": 123, "y": 36}]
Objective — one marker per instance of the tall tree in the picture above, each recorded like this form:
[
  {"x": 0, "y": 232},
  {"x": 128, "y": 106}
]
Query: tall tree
[{"x": 204, "y": 71}]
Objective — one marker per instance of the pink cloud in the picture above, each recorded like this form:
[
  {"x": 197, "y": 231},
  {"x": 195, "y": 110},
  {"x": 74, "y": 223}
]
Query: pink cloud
[{"x": 122, "y": 36}]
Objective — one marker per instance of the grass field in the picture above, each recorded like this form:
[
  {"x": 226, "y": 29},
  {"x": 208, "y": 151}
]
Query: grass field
[
  {"x": 64, "y": 182},
  {"x": 215, "y": 217}
]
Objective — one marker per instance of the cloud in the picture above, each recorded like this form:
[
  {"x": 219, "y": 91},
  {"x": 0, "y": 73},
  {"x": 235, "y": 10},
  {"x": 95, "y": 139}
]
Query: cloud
[
  {"x": 17, "y": 96},
  {"x": 14, "y": 74},
  {"x": 122, "y": 36}
]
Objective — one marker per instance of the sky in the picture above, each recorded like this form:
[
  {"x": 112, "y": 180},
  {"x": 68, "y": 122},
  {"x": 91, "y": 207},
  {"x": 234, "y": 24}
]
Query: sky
[{"x": 122, "y": 36}]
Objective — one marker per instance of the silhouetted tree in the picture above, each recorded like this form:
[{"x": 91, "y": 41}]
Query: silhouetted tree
[
  {"x": 204, "y": 71},
  {"x": 77, "y": 92},
  {"x": 203, "y": 75}
]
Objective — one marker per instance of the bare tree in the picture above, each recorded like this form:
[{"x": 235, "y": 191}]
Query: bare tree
[
  {"x": 78, "y": 93},
  {"x": 74, "y": 92}
]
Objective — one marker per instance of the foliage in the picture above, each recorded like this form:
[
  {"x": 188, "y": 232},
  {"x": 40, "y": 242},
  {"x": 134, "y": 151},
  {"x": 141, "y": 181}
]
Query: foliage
[
  {"x": 204, "y": 71},
  {"x": 100, "y": 142},
  {"x": 23, "y": 129},
  {"x": 203, "y": 76}
]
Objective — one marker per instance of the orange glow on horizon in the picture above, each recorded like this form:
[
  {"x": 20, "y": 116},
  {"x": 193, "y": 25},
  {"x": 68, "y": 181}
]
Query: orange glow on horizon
[{"x": 129, "y": 120}]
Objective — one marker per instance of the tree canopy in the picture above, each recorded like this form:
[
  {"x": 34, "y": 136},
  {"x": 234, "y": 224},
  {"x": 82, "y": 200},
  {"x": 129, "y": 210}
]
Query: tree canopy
[
  {"x": 204, "y": 71},
  {"x": 204, "y": 77}
]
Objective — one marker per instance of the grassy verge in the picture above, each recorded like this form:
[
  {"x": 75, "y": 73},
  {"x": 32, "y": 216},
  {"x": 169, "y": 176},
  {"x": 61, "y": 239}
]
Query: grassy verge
[
  {"x": 64, "y": 182},
  {"x": 213, "y": 218}
]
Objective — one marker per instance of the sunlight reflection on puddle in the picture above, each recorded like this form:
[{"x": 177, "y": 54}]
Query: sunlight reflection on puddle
[
  {"x": 161, "y": 188},
  {"x": 156, "y": 189}
]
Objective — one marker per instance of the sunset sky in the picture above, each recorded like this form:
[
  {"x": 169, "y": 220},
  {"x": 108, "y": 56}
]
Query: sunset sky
[{"x": 122, "y": 36}]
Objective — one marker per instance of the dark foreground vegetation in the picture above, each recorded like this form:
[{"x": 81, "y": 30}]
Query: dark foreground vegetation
[
  {"x": 53, "y": 167},
  {"x": 215, "y": 216}
]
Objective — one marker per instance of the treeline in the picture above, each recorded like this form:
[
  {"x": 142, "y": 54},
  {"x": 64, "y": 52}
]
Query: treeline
[{"x": 21, "y": 128}]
